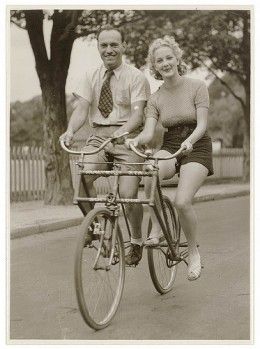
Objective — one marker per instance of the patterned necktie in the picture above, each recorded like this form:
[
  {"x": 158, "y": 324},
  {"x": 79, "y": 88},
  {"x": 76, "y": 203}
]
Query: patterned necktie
[{"x": 105, "y": 104}]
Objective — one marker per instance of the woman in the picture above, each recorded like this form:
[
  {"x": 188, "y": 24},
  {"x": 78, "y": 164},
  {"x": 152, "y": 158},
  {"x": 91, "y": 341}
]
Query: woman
[{"x": 181, "y": 106}]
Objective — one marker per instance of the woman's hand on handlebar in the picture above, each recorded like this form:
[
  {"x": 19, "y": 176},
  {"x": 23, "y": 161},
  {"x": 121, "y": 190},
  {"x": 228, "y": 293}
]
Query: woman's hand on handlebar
[
  {"x": 66, "y": 137},
  {"x": 133, "y": 141},
  {"x": 188, "y": 147}
]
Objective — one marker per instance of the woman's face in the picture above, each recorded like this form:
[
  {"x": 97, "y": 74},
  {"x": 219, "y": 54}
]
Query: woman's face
[{"x": 165, "y": 62}]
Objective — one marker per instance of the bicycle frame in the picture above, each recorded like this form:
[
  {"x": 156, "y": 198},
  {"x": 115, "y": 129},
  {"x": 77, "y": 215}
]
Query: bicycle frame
[{"x": 112, "y": 199}]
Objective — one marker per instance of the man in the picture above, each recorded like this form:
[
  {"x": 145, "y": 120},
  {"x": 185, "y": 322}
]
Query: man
[{"x": 114, "y": 98}]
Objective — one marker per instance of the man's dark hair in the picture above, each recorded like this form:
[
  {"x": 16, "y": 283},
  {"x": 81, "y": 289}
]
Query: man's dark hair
[{"x": 110, "y": 27}]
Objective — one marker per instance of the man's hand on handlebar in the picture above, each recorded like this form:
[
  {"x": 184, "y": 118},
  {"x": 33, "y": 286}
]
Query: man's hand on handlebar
[{"x": 66, "y": 137}]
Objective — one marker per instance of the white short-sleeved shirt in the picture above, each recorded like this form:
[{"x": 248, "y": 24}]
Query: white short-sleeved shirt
[{"x": 128, "y": 85}]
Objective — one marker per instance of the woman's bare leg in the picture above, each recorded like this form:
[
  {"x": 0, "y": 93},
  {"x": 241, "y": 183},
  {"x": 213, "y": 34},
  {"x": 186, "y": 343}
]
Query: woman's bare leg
[{"x": 192, "y": 175}]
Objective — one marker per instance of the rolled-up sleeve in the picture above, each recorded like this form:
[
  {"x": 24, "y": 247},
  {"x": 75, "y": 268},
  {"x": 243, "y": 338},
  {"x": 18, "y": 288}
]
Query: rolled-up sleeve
[
  {"x": 151, "y": 110},
  {"x": 84, "y": 89},
  {"x": 202, "y": 96},
  {"x": 140, "y": 89}
]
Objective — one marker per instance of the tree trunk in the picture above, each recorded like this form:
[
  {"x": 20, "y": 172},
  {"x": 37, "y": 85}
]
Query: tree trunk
[
  {"x": 58, "y": 190},
  {"x": 52, "y": 74}
]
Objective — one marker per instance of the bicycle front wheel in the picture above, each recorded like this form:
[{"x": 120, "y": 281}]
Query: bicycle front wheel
[
  {"x": 99, "y": 268},
  {"x": 162, "y": 269}
]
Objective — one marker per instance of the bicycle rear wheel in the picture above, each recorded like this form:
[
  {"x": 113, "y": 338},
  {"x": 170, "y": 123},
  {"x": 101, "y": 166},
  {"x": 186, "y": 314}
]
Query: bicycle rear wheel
[
  {"x": 99, "y": 287},
  {"x": 162, "y": 269}
]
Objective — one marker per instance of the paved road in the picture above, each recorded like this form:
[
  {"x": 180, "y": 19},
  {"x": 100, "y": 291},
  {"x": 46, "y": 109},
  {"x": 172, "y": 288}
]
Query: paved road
[{"x": 215, "y": 307}]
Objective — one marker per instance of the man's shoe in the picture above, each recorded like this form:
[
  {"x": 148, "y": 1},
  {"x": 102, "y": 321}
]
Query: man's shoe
[
  {"x": 88, "y": 239},
  {"x": 93, "y": 233},
  {"x": 134, "y": 255},
  {"x": 89, "y": 236}
]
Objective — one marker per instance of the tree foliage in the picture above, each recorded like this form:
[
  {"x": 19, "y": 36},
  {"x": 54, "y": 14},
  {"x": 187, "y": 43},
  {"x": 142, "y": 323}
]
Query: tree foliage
[
  {"x": 218, "y": 40},
  {"x": 26, "y": 122},
  {"x": 225, "y": 114}
]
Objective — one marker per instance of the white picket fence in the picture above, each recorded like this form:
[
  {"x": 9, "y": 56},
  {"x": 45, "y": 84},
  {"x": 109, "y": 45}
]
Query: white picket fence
[
  {"x": 27, "y": 177},
  {"x": 228, "y": 163}
]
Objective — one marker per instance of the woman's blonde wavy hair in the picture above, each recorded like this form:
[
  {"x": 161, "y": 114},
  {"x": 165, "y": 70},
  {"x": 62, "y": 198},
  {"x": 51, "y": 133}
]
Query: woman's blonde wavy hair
[{"x": 170, "y": 42}]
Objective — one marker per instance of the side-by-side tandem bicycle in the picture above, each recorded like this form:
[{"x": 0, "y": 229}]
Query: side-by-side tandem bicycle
[{"x": 100, "y": 264}]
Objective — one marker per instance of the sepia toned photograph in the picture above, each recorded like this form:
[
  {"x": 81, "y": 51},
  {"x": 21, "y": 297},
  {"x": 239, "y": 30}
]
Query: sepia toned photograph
[{"x": 129, "y": 174}]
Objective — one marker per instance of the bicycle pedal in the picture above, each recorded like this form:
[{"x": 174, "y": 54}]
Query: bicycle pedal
[{"x": 131, "y": 265}]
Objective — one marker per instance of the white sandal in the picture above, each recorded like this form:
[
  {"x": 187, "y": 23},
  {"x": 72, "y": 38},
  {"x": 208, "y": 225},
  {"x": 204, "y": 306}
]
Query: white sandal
[{"x": 194, "y": 269}]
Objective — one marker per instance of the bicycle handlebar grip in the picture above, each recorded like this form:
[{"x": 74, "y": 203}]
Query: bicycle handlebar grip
[{"x": 64, "y": 147}]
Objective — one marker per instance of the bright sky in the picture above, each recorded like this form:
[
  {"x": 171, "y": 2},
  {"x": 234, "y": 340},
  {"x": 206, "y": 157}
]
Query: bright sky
[
  {"x": 24, "y": 83},
  {"x": 22, "y": 63}
]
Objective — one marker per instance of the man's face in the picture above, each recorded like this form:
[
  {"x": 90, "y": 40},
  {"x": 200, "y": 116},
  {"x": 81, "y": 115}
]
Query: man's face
[{"x": 111, "y": 48}]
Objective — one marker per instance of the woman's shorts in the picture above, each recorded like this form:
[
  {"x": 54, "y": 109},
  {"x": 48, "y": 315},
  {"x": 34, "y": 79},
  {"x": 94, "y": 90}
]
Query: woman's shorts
[{"x": 202, "y": 149}]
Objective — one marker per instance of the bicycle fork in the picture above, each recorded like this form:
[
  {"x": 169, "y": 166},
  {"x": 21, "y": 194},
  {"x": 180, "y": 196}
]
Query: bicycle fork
[
  {"x": 102, "y": 249},
  {"x": 113, "y": 207}
]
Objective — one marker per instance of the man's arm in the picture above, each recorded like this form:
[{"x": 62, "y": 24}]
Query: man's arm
[
  {"x": 135, "y": 120},
  {"x": 77, "y": 120}
]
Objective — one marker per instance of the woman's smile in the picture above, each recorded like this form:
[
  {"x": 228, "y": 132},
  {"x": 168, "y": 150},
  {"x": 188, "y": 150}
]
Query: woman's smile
[{"x": 165, "y": 61}]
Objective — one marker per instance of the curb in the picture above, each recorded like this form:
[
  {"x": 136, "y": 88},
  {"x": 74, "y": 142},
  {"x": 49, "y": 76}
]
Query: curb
[
  {"x": 44, "y": 227},
  {"x": 39, "y": 228},
  {"x": 213, "y": 197}
]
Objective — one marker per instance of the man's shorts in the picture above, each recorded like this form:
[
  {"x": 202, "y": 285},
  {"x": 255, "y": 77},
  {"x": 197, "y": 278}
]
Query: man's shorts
[{"x": 112, "y": 152}]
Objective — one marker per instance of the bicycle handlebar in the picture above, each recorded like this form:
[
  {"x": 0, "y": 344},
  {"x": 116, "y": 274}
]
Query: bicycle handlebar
[
  {"x": 147, "y": 156},
  {"x": 80, "y": 152},
  {"x": 132, "y": 147}
]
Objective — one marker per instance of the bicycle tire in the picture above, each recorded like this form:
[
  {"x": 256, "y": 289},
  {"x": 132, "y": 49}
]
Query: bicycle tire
[
  {"x": 163, "y": 275},
  {"x": 94, "y": 287}
]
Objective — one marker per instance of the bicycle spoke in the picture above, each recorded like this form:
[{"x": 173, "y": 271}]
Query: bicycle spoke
[
  {"x": 100, "y": 285},
  {"x": 161, "y": 267}
]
